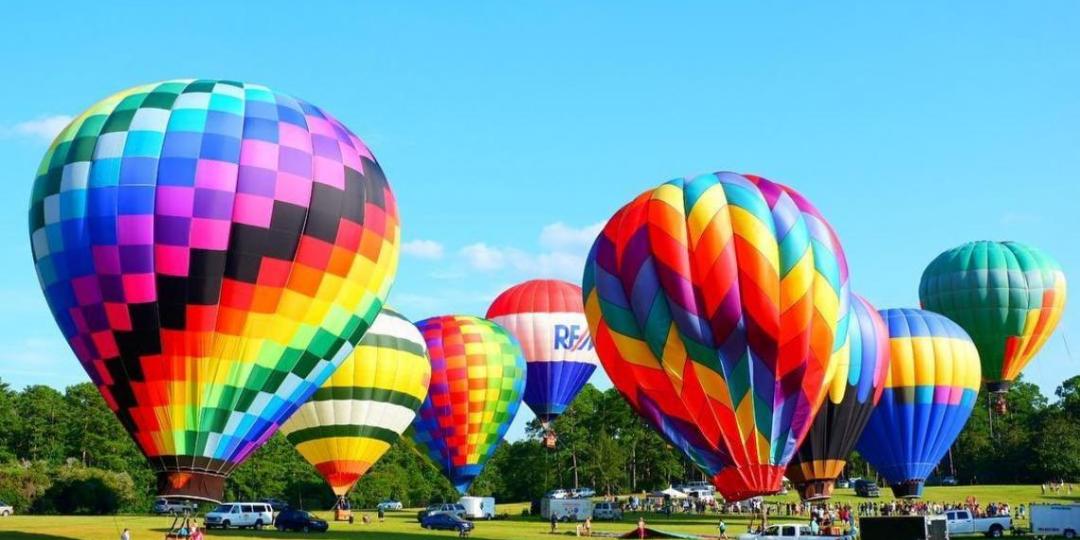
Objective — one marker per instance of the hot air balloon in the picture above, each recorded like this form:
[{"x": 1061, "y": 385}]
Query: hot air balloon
[
  {"x": 714, "y": 303},
  {"x": 477, "y": 380},
  {"x": 548, "y": 320},
  {"x": 1009, "y": 298},
  {"x": 854, "y": 387},
  {"x": 362, "y": 409},
  {"x": 206, "y": 247},
  {"x": 930, "y": 389}
]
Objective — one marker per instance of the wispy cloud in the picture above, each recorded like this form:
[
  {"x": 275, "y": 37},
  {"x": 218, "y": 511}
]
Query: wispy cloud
[
  {"x": 43, "y": 128},
  {"x": 39, "y": 360},
  {"x": 1010, "y": 219},
  {"x": 423, "y": 249},
  {"x": 563, "y": 256}
]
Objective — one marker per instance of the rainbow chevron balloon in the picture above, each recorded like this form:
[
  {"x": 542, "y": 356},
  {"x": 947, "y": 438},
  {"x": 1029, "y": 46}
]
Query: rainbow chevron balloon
[
  {"x": 477, "y": 381},
  {"x": 362, "y": 409},
  {"x": 1008, "y": 296},
  {"x": 206, "y": 248},
  {"x": 930, "y": 388},
  {"x": 715, "y": 303}
]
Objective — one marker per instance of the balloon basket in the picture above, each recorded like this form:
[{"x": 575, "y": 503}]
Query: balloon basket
[
  {"x": 910, "y": 489},
  {"x": 817, "y": 490},
  {"x": 550, "y": 440}
]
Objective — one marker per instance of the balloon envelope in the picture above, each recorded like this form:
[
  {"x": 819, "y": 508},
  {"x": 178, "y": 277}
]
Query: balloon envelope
[
  {"x": 548, "y": 320},
  {"x": 854, "y": 387},
  {"x": 930, "y": 390},
  {"x": 477, "y": 380},
  {"x": 714, "y": 303},
  {"x": 362, "y": 409},
  {"x": 1008, "y": 296},
  {"x": 206, "y": 247}
]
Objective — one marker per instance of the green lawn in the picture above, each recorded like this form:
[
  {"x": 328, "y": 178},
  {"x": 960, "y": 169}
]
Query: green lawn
[{"x": 402, "y": 525}]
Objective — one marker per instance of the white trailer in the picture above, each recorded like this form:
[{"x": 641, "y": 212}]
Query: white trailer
[
  {"x": 478, "y": 507},
  {"x": 1055, "y": 520},
  {"x": 566, "y": 509}
]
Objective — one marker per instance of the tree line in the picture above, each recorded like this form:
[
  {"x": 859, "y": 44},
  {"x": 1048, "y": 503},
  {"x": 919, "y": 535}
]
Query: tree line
[{"x": 64, "y": 452}]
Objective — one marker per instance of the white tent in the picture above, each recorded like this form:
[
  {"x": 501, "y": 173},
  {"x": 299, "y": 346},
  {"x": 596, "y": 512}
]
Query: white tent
[{"x": 673, "y": 493}]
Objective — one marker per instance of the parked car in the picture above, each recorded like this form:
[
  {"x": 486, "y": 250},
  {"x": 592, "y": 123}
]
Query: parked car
[
  {"x": 786, "y": 531},
  {"x": 241, "y": 514},
  {"x": 444, "y": 508},
  {"x": 843, "y": 483},
  {"x": 6, "y": 509},
  {"x": 949, "y": 481},
  {"x": 582, "y": 493},
  {"x": 962, "y": 522},
  {"x": 867, "y": 488},
  {"x": 446, "y": 522},
  {"x": 697, "y": 485},
  {"x": 298, "y": 520},
  {"x": 557, "y": 494},
  {"x": 276, "y": 505},
  {"x": 389, "y": 505},
  {"x": 170, "y": 506},
  {"x": 607, "y": 510}
]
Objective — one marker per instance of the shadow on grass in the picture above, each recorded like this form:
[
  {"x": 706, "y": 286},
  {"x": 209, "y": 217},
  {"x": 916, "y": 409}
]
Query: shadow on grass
[{"x": 16, "y": 535}]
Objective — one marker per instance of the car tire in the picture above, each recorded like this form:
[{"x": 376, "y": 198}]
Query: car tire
[
  {"x": 306, "y": 529},
  {"x": 1069, "y": 533},
  {"x": 258, "y": 525}
]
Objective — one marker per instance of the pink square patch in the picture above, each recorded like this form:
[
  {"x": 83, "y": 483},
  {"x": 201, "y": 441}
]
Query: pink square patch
[
  {"x": 215, "y": 174},
  {"x": 86, "y": 290},
  {"x": 135, "y": 230},
  {"x": 294, "y": 137},
  {"x": 209, "y": 233},
  {"x": 259, "y": 154},
  {"x": 320, "y": 126},
  {"x": 139, "y": 288},
  {"x": 292, "y": 188},
  {"x": 329, "y": 172},
  {"x": 106, "y": 259},
  {"x": 174, "y": 201},
  {"x": 253, "y": 210},
  {"x": 171, "y": 260}
]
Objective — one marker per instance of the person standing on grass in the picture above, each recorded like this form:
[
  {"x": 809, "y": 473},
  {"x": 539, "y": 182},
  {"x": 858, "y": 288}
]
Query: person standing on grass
[
  {"x": 722, "y": 527},
  {"x": 126, "y": 535},
  {"x": 196, "y": 533},
  {"x": 641, "y": 527},
  {"x": 382, "y": 513},
  {"x": 554, "y": 522}
]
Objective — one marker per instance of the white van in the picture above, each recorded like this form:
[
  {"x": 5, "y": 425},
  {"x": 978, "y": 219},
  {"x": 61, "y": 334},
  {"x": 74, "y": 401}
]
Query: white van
[
  {"x": 240, "y": 514},
  {"x": 478, "y": 507},
  {"x": 1055, "y": 519}
]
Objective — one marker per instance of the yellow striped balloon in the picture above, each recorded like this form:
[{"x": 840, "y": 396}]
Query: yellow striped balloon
[{"x": 354, "y": 418}]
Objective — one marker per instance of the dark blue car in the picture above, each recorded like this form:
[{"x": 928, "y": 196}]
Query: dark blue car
[
  {"x": 447, "y": 522},
  {"x": 299, "y": 520}
]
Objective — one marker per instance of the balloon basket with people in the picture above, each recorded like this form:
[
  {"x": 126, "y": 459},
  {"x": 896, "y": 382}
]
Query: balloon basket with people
[
  {"x": 184, "y": 527},
  {"x": 343, "y": 510}
]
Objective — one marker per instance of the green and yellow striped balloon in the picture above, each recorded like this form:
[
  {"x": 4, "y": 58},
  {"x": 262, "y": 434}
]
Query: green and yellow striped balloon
[
  {"x": 1008, "y": 296},
  {"x": 354, "y": 418}
]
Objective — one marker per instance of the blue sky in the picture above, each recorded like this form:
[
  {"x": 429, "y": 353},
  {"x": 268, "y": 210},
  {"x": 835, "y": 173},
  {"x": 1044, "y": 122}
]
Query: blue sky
[{"x": 509, "y": 131}]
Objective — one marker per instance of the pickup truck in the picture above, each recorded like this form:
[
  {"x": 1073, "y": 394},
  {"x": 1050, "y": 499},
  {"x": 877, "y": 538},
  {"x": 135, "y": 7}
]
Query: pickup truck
[
  {"x": 787, "y": 531},
  {"x": 962, "y": 522}
]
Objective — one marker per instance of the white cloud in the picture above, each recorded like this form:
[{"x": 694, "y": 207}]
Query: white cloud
[
  {"x": 481, "y": 256},
  {"x": 423, "y": 249},
  {"x": 44, "y": 128},
  {"x": 559, "y": 235}
]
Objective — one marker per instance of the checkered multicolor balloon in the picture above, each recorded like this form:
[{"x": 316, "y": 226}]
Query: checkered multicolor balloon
[
  {"x": 206, "y": 248},
  {"x": 714, "y": 303},
  {"x": 362, "y": 409},
  {"x": 477, "y": 381}
]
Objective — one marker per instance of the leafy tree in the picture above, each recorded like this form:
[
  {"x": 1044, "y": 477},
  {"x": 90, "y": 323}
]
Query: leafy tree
[{"x": 45, "y": 416}]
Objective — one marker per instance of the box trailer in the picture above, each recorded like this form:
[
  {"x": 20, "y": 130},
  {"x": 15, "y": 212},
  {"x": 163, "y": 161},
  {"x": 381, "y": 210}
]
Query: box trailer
[
  {"x": 1055, "y": 519},
  {"x": 903, "y": 528},
  {"x": 478, "y": 507},
  {"x": 566, "y": 509}
]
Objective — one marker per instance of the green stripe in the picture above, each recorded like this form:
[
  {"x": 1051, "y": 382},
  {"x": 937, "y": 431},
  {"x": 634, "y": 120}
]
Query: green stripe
[
  {"x": 386, "y": 341},
  {"x": 363, "y": 393},
  {"x": 326, "y": 432}
]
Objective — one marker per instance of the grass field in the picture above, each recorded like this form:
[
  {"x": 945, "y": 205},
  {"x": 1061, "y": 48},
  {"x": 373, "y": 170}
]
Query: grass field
[{"x": 402, "y": 525}]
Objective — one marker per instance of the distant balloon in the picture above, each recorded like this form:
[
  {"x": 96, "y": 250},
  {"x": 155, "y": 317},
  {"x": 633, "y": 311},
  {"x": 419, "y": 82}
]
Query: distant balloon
[
  {"x": 714, "y": 303},
  {"x": 362, "y": 409},
  {"x": 206, "y": 247},
  {"x": 548, "y": 319},
  {"x": 477, "y": 380},
  {"x": 930, "y": 390},
  {"x": 854, "y": 388},
  {"x": 1008, "y": 296}
]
